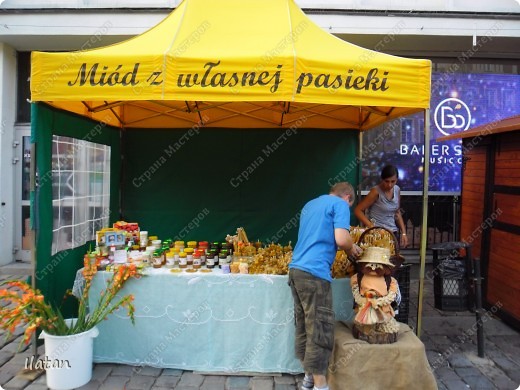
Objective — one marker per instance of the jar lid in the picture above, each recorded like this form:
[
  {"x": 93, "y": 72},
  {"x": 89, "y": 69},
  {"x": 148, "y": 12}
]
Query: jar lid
[
  {"x": 196, "y": 256},
  {"x": 183, "y": 254},
  {"x": 189, "y": 250}
]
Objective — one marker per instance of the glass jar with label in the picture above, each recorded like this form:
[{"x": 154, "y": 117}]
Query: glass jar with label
[
  {"x": 210, "y": 259},
  {"x": 189, "y": 256},
  {"x": 202, "y": 253},
  {"x": 183, "y": 261},
  {"x": 215, "y": 257},
  {"x": 170, "y": 259},
  {"x": 176, "y": 256},
  {"x": 165, "y": 249},
  {"x": 157, "y": 259},
  {"x": 227, "y": 253},
  {"x": 196, "y": 261},
  {"x": 222, "y": 258}
]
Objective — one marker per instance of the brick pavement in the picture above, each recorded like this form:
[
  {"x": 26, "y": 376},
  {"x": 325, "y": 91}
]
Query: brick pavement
[{"x": 449, "y": 339}]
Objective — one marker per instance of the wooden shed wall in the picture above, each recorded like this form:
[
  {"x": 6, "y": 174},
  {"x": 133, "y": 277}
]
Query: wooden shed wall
[
  {"x": 503, "y": 287},
  {"x": 491, "y": 216},
  {"x": 472, "y": 205}
]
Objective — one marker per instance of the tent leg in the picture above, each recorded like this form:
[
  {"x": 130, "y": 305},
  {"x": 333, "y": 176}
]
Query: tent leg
[
  {"x": 32, "y": 186},
  {"x": 359, "y": 166},
  {"x": 424, "y": 226}
]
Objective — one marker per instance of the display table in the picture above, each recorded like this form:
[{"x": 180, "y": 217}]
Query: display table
[
  {"x": 209, "y": 322},
  {"x": 361, "y": 366}
]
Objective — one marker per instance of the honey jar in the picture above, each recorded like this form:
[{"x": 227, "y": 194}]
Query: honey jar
[
  {"x": 197, "y": 263},
  {"x": 183, "y": 261},
  {"x": 189, "y": 256}
]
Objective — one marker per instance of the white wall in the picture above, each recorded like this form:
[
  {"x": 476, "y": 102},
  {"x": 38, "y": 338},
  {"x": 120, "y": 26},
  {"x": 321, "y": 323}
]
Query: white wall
[
  {"x": 416, "y": 5},
  {"x": 7, "y": 116},
  {"x": 404, "y": 5}
]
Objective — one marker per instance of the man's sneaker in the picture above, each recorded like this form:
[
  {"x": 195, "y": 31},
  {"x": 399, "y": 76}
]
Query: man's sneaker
[{"x": 308, "y": 382}]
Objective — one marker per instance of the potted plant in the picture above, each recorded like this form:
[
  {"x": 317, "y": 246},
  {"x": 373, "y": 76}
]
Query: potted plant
[{"x": 68, "y": 342}]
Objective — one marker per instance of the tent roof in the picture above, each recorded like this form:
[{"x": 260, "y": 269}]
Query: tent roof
[
  {"x": 233, "y": 63},
  {"x": 503, "y": 126}
]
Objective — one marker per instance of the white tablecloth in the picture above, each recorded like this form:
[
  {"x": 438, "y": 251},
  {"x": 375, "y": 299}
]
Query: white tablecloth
[{"x": 206, "y": 322}]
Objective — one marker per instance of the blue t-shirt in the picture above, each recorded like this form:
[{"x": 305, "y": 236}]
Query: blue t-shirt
[{"x": 315, "y": 249}]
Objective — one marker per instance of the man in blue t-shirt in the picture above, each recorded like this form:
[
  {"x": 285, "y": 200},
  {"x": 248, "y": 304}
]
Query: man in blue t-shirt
[{"x": 324, "y": 227}]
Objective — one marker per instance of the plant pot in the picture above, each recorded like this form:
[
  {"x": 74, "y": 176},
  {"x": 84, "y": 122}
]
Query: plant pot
[{"x": 68, "y": 359}]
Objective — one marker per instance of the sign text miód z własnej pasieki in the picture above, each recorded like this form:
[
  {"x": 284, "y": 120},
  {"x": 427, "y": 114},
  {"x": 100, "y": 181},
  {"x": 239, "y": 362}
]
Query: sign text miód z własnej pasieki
[{"x": 211, "y": 77}]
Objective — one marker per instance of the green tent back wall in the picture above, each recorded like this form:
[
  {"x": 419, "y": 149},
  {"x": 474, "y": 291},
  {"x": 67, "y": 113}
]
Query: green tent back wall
[
  {"x": 195, "y": 184},
  {"x": 221, "y": 179}
]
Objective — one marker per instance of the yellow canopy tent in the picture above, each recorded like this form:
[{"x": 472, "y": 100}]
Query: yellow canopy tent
[
  {"x": 235, "y": 64},
  {"x": 254, "y": 64}
]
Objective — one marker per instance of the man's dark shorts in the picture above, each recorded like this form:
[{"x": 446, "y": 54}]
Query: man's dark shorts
[{"x": 314, "y": 320}]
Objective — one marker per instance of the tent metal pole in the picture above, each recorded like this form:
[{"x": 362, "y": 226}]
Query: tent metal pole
[
  {"x": 359, "y": 165},
  {"x": 424, "y": 226}
]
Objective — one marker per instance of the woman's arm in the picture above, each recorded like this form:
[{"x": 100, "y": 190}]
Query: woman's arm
[
  {"x": 364, "y": 204},
  {"x": 400, "y": 223}
]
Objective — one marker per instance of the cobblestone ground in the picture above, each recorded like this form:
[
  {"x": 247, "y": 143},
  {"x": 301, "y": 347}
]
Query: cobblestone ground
[{"x": 449, "y": 338}]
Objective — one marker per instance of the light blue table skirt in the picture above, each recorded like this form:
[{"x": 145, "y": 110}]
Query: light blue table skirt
[{"x": 207, "y": 322}]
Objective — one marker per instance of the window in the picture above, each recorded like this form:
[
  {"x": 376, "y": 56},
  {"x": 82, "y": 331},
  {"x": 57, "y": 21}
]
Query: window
[
  {"x": 23, "y": 107},
  {"x": 80, "y": 191}
]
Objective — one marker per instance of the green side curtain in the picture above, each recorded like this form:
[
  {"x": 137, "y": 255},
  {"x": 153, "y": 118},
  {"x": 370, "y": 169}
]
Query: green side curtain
[{"x": 55, "y": 273}]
